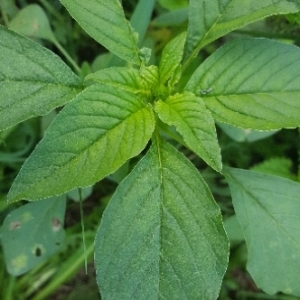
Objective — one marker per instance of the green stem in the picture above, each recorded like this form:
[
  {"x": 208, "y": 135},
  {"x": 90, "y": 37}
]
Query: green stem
[
  {"x": 82, "y": 228},
  {"x": 66, "y": 54}
]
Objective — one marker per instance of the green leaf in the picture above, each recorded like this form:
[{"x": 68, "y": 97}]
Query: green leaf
[
  {"x": 32, "y": 233},
  {"x": 245, "y": 135},
  {"x": 195, "y": 123},
  {"x": 33, "y": 80},
  {"x": 251, "y": 83},
  {"x": 171, "y": 57},
  {"x": 278, "y": 166},
  {"x": 161, "y": 236},
  {"x": 140, "y": 19},
  {"x": 211, "y": 19},
  {"x": 90, "y": 138},
  {"x": 122, "y": 78},
  {"x": 267, "y": 208},
  {"x": 32, "y": 21},
  {"x": 105, "y": 22}
]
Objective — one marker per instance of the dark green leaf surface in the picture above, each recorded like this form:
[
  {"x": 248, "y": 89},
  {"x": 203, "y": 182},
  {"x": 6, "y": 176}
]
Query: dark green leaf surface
[
  {"x": 251, "y": 83},
  {"x": 194, "y": 122},
  {"x": 161, "y": 236},
  {"x": 211, "y": 19},
  {"x": 32, "y": 233},
  {"x": 105, "y": 22},
  {"x": 171, "y": 57},
  {"x": 33, "y": 80},
  {"x": 267, "y": 207},
  {"x": 91, "y": 138}
]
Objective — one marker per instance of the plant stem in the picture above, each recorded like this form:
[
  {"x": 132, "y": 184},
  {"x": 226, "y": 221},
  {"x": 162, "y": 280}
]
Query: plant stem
[{"x": 66, "y": 54}]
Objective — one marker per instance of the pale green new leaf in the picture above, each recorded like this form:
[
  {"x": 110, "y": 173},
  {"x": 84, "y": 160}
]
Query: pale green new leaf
[
  {"x": 194, "y": 122},
  {"x": 161, "y": 236},
  {"x": 267, "y": 207},
  {"x": 32, "y": 233},
  {"x": 105, "y": 22},
  {"x": 171, "y": 57},
  {"x": 211, "y": 19},
  {"x": 123, "y": 78},
  {"x": 91, "y": 138},
  {"x": 33, "y": 80},
  {"x": 251, "y": 83}
]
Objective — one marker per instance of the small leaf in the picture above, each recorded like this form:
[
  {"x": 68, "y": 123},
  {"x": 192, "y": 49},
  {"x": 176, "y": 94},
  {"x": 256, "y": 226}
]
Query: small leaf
[
  {"x": 123, "y": 78},
  {"x": 171, "y": 57},
  {"x": 251, "y": 83},
  {"x": 161, "y": 236},
  {"x": 33, "y": 80},
  {"x": 33, "y": 22},
  {"x": 195, "y": 123},
  {"x": 267, "y": 208},
  {"x": 105, "y": 22},
  {"x": 90, "y": 138},
  {"x": 32, "y": 233},
  {"x": 211, "y": 19}
]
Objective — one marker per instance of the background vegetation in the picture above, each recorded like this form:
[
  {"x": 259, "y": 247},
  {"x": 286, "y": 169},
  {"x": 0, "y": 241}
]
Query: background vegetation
[{"x": 62, "y": 275}]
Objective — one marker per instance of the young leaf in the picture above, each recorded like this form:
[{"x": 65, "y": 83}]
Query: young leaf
[
  {"x": 267, "y": 208},
  {"x": 251, "y": 83},
  {"x": 33, "y": 80},
  {"x": 32, "y": 233},
  {"x": 123, "y": 78},
  {"x": 161, "y": 236},
  {"x": 91, "y": 138},
  {"x": 105, "y": 22},
  {"x": 171, "y": 57},
  {"x": 211, "y": 19},
  {"x": 195, "y": 123}
]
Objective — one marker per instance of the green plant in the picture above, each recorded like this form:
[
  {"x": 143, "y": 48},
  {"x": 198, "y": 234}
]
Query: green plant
[{"x": 161, "y": 235}]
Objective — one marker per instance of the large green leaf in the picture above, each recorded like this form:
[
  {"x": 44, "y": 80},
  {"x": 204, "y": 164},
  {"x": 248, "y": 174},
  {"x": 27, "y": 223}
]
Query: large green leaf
[
  {"x": 91, "y": 138},
  {"x": 105, "y": 22},
  {"x": 161, "y": 236},
  {"x": 267, "y": 208},
  {"x": 32, "y": 233},
  {"x": 194, "y": 122},
  {"x": 33, "y": 80},
  {"x": 171, "y": 57},
  {"x": 211, "y": 19},
  {"x": 251, "y": 83}
]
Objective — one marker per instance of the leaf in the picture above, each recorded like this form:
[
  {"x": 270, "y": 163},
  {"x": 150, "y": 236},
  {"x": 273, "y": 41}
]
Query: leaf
[
  {"x": 123, "y": 78},
  {"x": 245, "y": 135},
  {"x": 171, "y": 57},
  {"x": 194, "y": 122},
  {"x": 211, "y": 19},
  {"x": 90, "y": 139},
  {"x": 251, "y": 83},
  {"x": 32, "y": 233},
  {"x": 161, "y": 236},
  {"x": 105, "y": 22},
  {"x": 33, "y": 22},
  {"x": 267, "y": 208},
  {"x": 140, "y": 19},
  {"x": 33, "y": 80},
  {"x": 278, "y": 166}
]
